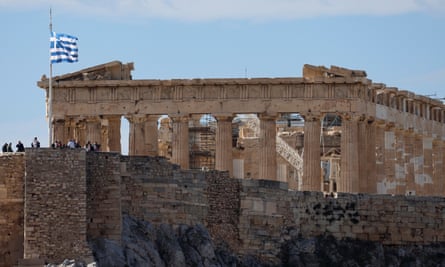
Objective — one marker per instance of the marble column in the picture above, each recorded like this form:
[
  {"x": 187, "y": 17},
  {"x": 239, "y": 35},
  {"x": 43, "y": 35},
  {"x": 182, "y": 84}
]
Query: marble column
[
  {"x": 268, "y": 157},
  {"x": 93, "y": 130},
  {"x": 370, "y": 162},
  {"x": 428, "y": 186},
  {"x": 180, "y": 141},
  {"x": 379, "y": 155},
  {"x": 441, "y": 171},
  {"x": 59, "y": 130},
  {"x": 143, "y": 139},
  {"x": 80, "y": 132},
  {"x": 151, "y": 135},
  {"x": 367, "y": 155},
  {"x": 390, "y": 183},
  {"x": 223, "y": 156},
  {"x": 136, "y": 134},
  {"x": 111, "y": 133},
  {"x": 312, "y": 180},
  {"x": 438, "y": 173},
  {"x": 409, "y": 161},
  {"x": 418, "y": 164},
  {"x": 400, "y": 172},
  {"x": 362, "y": 142},
  {"x": 349, "y": 166},
  {"x": 70, "y": 130}
]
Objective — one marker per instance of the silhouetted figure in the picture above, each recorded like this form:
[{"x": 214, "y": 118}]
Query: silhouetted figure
[
  {"x": 89, "y": 146},
  {"x": 96, "y": 146},
  {"x": 20, "y": 147},
  {"x": 5, "y": 148},
  {"x": 10, "y": 147}
]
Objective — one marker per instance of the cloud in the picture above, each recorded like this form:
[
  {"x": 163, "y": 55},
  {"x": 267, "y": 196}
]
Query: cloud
[{"x": 233, "y": 9}]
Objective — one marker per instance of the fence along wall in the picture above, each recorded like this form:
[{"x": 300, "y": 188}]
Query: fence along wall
[{"x": 72, "y": 195}]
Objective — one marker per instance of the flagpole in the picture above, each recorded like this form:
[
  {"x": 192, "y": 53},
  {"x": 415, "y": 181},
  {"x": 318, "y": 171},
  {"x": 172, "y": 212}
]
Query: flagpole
[{"x": 50, "y": 90}]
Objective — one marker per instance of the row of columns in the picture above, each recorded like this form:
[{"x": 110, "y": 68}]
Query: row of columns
[
  {"x": 143, "y": 136},
  {"x": 143, "y": 140},
  {"x": 105, "y": 130},
  {"x": 375, "y": 157},
  {"x": 352, "y": 140}
]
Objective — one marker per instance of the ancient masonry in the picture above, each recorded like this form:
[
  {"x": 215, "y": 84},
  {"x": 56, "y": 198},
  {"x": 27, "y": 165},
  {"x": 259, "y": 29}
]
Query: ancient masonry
[
  {"x": 268, "y": 180},
  {"x": 391, "y": 141},
  {"x": 54, "y": 200}
]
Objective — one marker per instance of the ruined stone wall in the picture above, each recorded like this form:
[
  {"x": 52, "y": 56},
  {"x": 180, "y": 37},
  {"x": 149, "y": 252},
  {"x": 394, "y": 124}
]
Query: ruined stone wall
[
  {"x": 271, "y": 214},
  {"x": 72, "y": 195},
  {"x": 56, "y": 205},
  {"x": 249, "y": 154},
  {"x": 264, "y": 213},
  {"x": 223, "y": 194},
  {"x": 157, "y": 191},
  {"x": 104, "y": 195},
  {"x": 12, "y": 174}
]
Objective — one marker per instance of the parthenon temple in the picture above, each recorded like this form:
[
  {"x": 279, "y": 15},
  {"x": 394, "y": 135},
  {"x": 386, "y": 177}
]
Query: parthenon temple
[{"x": 332, "y": 130}]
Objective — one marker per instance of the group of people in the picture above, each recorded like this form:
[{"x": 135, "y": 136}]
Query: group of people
[
  {"x": 19, "y": 146},
  {"x": 74, "y": 144},
  {"x": 57, "y": 144}
]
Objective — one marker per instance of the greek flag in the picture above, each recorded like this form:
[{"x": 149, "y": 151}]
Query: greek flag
[{"x": 63, "y": 48}]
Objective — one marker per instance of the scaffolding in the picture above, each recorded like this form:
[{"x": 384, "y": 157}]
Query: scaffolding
[{"x": 203, "y": 143}]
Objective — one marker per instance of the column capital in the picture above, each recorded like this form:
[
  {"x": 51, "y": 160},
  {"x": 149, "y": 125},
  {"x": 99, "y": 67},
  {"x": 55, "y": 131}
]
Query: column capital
[
  {"x": 151, "y": 117},
  {"x": 179, "y": 118},
  {"x": 136, "y": 118},
  {"x": 60, "y": 118},
  {"x": 390, "y": 126},
  {"x": 140, "y": 118},
  {"x": 353, "y": 117},
  {"x": 111, "y": 117},
  {"x": 92, "y": 119},
  {"x": 106, "y": 119},
  {"x": 380, "y": 123},
  {"x": 267, "y": 116},
  {"x": 223, "y": 117},
  {"x": 312, "y": 116}
]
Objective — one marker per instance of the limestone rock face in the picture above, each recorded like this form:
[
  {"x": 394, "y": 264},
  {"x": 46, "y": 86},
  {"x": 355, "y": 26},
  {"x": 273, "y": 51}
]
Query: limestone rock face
[{"x": 144, "y": 244}]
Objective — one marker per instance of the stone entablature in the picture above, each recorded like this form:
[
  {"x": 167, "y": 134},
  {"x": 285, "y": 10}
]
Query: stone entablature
[
  {"x": 75, "y": 100},
  {"x": 233, "y": 96}
]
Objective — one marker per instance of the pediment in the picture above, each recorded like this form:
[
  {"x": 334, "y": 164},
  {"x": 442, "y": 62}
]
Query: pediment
[{"x": 114, "y": 70}]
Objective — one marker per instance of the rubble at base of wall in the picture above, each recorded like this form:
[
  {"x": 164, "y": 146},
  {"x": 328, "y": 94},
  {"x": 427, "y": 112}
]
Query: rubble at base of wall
[{"x": 73, "y": 263}]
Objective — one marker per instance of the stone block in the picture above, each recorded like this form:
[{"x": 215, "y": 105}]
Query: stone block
[
  {"x": 258, "y": 205},
  {"x": 3, "y": 192},
  {"x": 271, "y": 208}
]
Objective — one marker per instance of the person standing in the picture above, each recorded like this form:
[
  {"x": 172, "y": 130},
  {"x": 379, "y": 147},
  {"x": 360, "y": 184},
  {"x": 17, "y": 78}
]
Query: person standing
[
  {"x": 10, "y": 147},
  {"x": 71, "y": 144},
  {"x": 35, "y": 143},
  {"x": 20, "y": 147}
]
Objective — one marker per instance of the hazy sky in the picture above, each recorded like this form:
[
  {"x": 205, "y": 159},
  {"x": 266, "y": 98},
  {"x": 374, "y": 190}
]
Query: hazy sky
[{"x": 397, "y": 42}]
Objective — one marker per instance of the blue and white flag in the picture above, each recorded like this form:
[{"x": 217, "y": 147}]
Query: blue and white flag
[{"x": 63, "y": 48}]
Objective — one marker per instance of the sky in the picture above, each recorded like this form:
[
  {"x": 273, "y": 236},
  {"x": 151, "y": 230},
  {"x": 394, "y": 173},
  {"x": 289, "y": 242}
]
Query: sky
[{"x": 400, "y": 43}]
